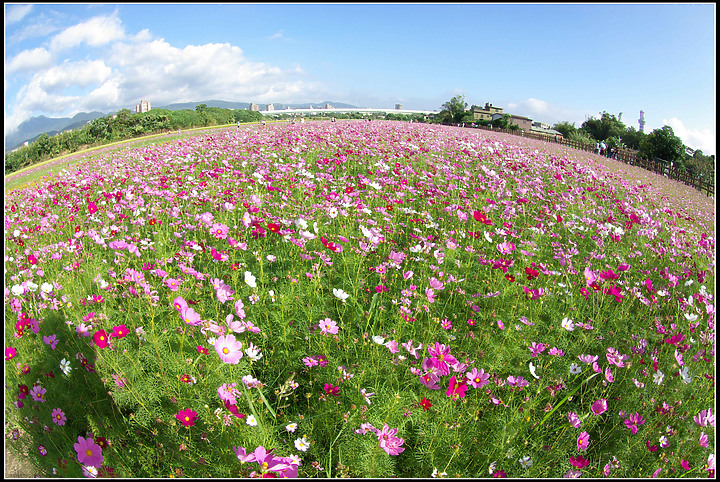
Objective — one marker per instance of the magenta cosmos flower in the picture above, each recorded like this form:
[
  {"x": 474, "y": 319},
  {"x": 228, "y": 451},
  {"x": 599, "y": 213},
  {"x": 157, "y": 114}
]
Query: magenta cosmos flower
[
  {"x": 88, "y": 452},
  {"x": 10, "y": 353},
  {"x": 58, "y": 416},
  {"x": 229, "y": 349},
  {"x": 187, "y": 417},
  {"x": 101, "y": 338},
  {"x": 633, "y": 422},
  {"x": 456, "y": 388},
  {"x": 599, "y": 406}
]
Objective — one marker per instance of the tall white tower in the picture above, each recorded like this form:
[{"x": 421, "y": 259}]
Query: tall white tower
[{"x": 641, "y": 121}]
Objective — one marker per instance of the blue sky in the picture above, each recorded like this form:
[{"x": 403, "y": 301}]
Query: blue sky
[{"x": 550, "y": 62}]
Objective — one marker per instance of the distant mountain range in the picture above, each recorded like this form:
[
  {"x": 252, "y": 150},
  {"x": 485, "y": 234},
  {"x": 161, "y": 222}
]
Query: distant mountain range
[{"x": 33, "y": 127}]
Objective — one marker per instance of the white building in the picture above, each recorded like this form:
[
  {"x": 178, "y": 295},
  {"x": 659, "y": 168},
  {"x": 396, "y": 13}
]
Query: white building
[{"x": 143, "y": 106}]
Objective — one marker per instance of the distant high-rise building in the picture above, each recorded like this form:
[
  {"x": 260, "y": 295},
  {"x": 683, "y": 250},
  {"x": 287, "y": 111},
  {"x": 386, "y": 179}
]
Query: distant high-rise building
[
  {"x": 270, "y": 108},
  {"x": 398, "y": 106},
  {"x": 254, "y": 107},
  {"x": 641, "y": 121},
  {"x": 143, "y": 106}
]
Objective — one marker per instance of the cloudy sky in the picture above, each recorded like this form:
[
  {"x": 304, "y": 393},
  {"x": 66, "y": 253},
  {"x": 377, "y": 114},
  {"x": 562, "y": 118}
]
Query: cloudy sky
[{"x": 548, "y": 62}]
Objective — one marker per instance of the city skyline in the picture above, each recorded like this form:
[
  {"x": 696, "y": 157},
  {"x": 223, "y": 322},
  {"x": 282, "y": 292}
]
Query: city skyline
[{"x": 548, "y": 62}]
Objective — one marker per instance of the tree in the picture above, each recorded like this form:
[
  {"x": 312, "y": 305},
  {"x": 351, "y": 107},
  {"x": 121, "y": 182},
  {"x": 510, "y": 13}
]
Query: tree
[
  {"x": 453, "y": 110},
  {"x": 664, "y": 144},
  {"x": 600, "y": 129},
  {"x": 565, "y": 128},
  {"x": 632, "y": 138}
]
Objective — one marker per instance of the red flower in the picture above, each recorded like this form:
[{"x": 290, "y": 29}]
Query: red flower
[
  {"x": 101, "y": 338},
  {"x": 102, "y": 442},
  {"x": 32, "y": 259},
  {"x": 202, "y": 350},
  {"x": 579, "y": 461},
  {"x": 425, "y": 404},
  {"x": 274, "y": 227}
]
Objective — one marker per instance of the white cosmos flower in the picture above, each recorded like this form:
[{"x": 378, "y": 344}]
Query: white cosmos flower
[
  {"x": 568, "y": 324},
  {"x": 250, "y": 420},
  {"x": 340, "y": 294},
  {"x": 17, "y": 290},
  {"x": 46, "y": 287},
  {"x": 686, "y": 378},
  {"x": 378, "y": 339},
  {"x": 658, "y": 377},
  {"x": 302, "y": 444},
  {"x": 532, "y": 371},
  {"x": 31, "y": 286},
  {"x": 250, "y": 279}
]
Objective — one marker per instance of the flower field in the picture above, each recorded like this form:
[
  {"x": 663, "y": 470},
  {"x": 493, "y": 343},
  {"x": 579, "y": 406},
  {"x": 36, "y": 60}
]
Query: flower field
[{"x": 359, "y": 299}]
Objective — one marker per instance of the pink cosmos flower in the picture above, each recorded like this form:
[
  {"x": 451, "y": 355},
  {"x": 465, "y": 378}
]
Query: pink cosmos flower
[
  {"x": 120, "y": 331},
  {"x": 88, "y": 452},
  {"x": 430, "y": 295},
  {"x": 58, "y": 416},
  {"x": 583, "y": 441},
  {"x": 328, "y": 327},
  {"x": 435, "y": 284},
  {"x": 229, "y": 349},
  {"x": 430, "y": 381},
  {"x": 224, "y": 293},
  {"x": 180, "y": 304},
  {"x": 536, "y": 348},
  {"x": 389, "y": 442},
  {"x": 392, "y": 345},
  {"x": 191, "y": 317},
  {"x": 704, "y": 440},
  {"x": 574, "y": 419},
  {"x": 477, "y": 378},
  {"x": 705, "y": 418},
  {"x": 172, "y": 283},
  {"x": 10, "y": 353},
  {"x": 442, "y": 357},
  {"x": 599, "y": 406},
  {"x": 412, "y": 350}
]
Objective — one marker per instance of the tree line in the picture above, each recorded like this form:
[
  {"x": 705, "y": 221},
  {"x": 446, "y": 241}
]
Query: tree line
[
  {"x": 660, "y": 143},
  {"x": 122, "y": 126}
]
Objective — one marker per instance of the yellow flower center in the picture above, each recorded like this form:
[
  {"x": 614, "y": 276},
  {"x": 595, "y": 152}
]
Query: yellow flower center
[
  {"x": 88, "y": 452},
  {"x": 225, "y": 350}
]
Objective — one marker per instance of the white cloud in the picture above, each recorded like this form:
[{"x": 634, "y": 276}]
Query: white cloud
[
  {"x": 137, "y": 66},
  {"x": 157, "y": 70},
  {"x": 34, "y": 59},
  {"x": 703, "y": 139},
  {"x": 15, "y": 13},
  {"x": 95, "y": 32},
  {"x": 72, "y": 74}
]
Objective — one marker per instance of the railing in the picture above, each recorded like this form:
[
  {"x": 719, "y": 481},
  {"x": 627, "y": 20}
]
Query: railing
[{"x": 627, "y": 156}]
